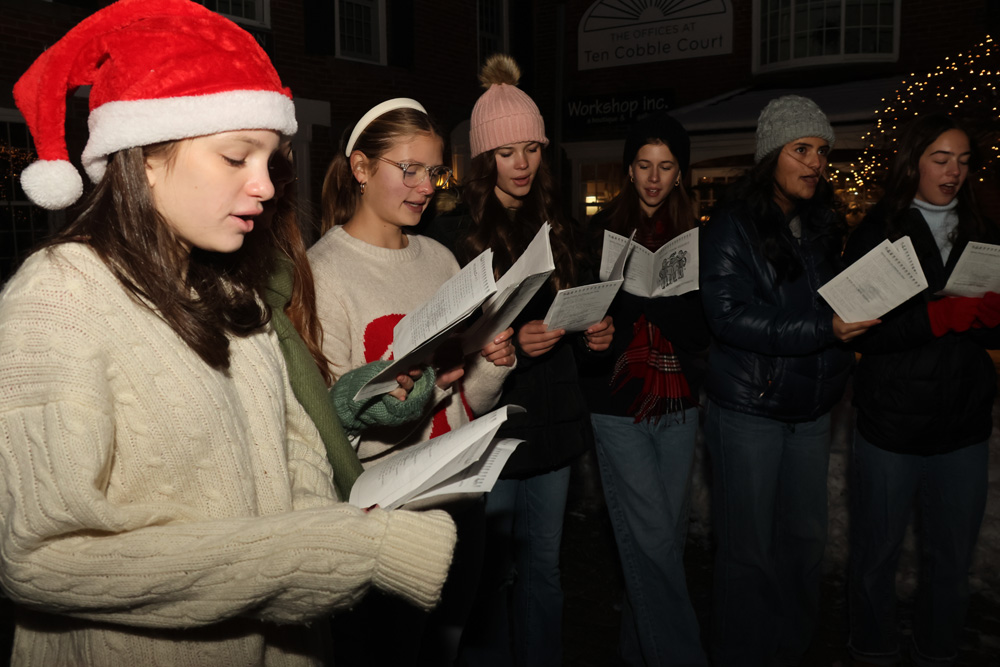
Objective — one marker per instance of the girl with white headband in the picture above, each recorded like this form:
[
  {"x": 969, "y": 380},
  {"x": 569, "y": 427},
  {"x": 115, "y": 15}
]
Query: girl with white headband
[
  {"x": 370, "y": 271},
  {"x": 165, "y": 499}
]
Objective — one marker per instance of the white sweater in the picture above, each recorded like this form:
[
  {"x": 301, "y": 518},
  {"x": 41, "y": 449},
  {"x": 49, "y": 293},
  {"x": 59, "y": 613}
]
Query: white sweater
[
  {"x": 141, "y": 488},
  {"x": 362, "y": 291}
]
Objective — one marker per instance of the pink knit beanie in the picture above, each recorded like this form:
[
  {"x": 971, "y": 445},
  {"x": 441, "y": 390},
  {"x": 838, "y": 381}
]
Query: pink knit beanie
[{"x": 504, "y": 114}]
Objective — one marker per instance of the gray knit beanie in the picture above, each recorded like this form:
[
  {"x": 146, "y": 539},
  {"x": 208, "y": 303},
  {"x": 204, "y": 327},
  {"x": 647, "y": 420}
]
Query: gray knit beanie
[{"x": 788, "y": 118}]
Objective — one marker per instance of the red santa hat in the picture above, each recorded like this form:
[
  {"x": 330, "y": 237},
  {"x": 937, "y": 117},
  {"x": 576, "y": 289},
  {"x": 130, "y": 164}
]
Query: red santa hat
[{"x": 159, "y": 70}]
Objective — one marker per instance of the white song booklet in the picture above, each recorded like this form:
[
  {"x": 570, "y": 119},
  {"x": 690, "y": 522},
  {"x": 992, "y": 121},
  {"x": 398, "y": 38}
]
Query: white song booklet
[
  {"x": 466, "y": 460},
  {"x": 577, "y": 308},
  {"x": 670, "y": 271},
  {"x": 416, "y": 336},
  {"x": 514, "y": 290},
  {"x": 977, "y": 271},
  {"x": 875, "y": 284}
]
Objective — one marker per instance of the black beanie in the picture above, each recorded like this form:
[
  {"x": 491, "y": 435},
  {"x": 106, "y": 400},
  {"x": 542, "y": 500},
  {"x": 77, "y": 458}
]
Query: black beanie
[{"x": 661, "y": 127}]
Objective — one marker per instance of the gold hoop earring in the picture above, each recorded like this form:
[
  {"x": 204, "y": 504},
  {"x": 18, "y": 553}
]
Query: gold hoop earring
[
  {"x": 677, "y": 182},
  {"x": 363, "y": 184}
]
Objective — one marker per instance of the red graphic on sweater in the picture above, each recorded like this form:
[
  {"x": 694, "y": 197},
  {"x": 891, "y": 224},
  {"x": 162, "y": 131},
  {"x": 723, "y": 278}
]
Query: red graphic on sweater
[{"x": 378, "y": 339}]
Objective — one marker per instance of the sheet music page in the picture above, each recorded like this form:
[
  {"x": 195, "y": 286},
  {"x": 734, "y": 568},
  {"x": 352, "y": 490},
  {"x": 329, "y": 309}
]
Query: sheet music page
[
  {"x": 617, "y": 250},
  {"x": 875, "y": 284},
  {"x": 453, "y": 301},
  {"x": 416, "y": 336},
  {"x": 577, "y": 308},
  {"x": 514, "y": 290},
  {"x": 479, "y": 477},
  {"x": 977, "y": 271},
  {"x": 392, "y": 482}
]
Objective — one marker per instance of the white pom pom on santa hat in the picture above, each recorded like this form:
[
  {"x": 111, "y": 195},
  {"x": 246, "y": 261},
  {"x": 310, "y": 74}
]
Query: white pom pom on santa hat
[
  {"x": 158, "y": 70},
  {"x": 52, "y": 184}
]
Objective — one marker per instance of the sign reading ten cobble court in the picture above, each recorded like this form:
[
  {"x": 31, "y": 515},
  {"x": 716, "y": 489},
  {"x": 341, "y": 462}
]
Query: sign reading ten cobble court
[{"x": 616, "y": 32}]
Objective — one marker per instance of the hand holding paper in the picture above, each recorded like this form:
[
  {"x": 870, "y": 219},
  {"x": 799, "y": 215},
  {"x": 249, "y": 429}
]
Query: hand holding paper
[
  {"x": 416, "y": 336},
  {"x": 875, "y": 284},
  {"x": 514, "y": 290},
  {"x": 578, "y": 308}
]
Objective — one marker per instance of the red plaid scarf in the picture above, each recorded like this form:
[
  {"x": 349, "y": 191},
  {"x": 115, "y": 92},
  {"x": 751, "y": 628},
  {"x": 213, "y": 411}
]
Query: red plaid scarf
[{"x": 651, "y": 357}]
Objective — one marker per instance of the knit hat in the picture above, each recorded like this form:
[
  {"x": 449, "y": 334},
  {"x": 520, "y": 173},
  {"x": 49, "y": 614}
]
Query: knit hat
[
  {"x": 788, "y": 118},
  {"x": 159, "y": 70},
  {"x": 662, "y": 127},
  {"x": 504, "y": 114}
]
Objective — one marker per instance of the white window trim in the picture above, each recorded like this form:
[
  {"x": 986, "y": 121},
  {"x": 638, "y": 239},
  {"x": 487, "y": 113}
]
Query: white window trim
[
  {"x": 263, "y": 22},
  {"x": 838, "y": 59},
  {"x": 383, "y": 48}
]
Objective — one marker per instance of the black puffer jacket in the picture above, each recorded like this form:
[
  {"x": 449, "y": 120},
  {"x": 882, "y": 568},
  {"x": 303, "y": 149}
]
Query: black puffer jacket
[
  {"x": 773, "y": 351},
  {"x": 916, "y": 393}
]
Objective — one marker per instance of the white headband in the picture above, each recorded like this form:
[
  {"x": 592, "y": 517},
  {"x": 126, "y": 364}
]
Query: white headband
[{"x": 378, "y": 110}]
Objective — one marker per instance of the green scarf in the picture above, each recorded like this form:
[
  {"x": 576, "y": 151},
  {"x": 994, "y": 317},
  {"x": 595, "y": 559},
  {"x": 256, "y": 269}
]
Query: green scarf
[{"x": 307, "y": 382}]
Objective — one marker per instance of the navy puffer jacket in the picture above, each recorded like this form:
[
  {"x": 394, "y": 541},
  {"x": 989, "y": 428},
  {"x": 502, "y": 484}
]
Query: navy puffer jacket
[{"x": 773, "y": 351}]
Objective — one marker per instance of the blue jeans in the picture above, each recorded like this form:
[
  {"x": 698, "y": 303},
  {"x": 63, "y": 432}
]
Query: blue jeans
[
  {"x": 769, "y": 511},
  {"x": 646, "y": 473},
  {"x": 951, "y": 493},
  {"x": 524, "y": 535}
]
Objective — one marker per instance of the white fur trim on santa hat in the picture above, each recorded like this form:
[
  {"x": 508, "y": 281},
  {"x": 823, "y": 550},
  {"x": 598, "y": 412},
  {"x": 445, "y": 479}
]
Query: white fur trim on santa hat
[
  {"x": 52, "y": 184},
  {"x": 126, "y": 124}
]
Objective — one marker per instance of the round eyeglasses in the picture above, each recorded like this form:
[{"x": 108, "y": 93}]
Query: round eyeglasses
[{"x": 415, "y": 174}]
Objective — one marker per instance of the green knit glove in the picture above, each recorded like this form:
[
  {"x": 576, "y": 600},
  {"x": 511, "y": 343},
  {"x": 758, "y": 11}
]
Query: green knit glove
[{"x": 384, "y": 410}]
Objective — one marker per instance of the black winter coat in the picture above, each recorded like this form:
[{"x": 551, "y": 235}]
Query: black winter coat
[
  {"x": 773, "y": 351},
  {"x": 916, "y": 393}
]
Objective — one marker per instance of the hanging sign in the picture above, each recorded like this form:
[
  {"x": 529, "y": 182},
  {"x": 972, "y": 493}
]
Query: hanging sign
[{"x": 614, "y": 33}]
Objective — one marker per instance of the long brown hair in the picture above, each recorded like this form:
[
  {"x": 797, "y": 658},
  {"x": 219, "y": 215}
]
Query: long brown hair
[
  {"x": 217, "y": 294},
  {"x": 903, "y": 179},
  {"x": 508, "y": 235},
  {"x": 341, "y": 191}
]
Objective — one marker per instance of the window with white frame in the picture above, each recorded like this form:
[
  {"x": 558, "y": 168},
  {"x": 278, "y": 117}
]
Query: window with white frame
[
  {"x": 361, "y": 30},
  {"x": 796, "y": 33},
  {"x": 492, "y": 21},
  {"x": 22, "y": 224},
  {"x": 249, "y": 12}
]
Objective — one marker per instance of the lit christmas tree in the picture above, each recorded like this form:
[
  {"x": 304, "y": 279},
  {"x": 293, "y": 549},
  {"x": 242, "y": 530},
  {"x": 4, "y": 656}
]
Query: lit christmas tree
[{"x": 964, "y": 86}]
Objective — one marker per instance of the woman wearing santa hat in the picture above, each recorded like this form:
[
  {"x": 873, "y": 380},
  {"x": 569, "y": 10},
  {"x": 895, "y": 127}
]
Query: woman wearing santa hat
[{"x": 164, "y": 496}]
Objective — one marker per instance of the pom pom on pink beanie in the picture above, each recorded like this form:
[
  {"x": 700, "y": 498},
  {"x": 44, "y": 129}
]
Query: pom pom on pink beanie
[{"x": 504, "y": 114}]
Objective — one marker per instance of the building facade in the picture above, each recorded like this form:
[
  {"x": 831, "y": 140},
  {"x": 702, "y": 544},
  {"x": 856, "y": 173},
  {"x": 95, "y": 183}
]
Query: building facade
[{"x": 592, "y": 66}]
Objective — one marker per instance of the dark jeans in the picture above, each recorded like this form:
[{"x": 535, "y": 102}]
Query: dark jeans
[
  {"x": 951, "y": 493},
  {"x": 769, "y": 512},
  {"x": 517, "y": 618}
]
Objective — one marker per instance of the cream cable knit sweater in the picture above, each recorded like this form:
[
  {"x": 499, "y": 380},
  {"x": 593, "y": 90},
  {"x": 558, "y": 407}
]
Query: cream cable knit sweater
[
  {"x": 142, "y": 492},
  {"x": 362, "y": 290}
]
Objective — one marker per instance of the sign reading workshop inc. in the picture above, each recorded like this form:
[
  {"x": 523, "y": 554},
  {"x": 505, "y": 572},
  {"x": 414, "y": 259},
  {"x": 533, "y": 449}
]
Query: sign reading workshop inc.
[
  {"x": 615, "y": 32},
  {"x": 607, "y": 116}
]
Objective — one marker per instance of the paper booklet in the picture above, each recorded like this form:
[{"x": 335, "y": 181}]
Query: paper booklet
[
  {"x": 416, "y": 336},
  {"x": 977, "y": 271},
  {"x": 878, "y": 282},
  {"x": 578, "y": 308},
  {"x": 466, "y": 460},
  {"x": 514, "y": 290},
  {"x": 670, "y": 271}
]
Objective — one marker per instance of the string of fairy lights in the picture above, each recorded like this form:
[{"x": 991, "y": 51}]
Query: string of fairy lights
[{"x": 965, "y": 85}]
